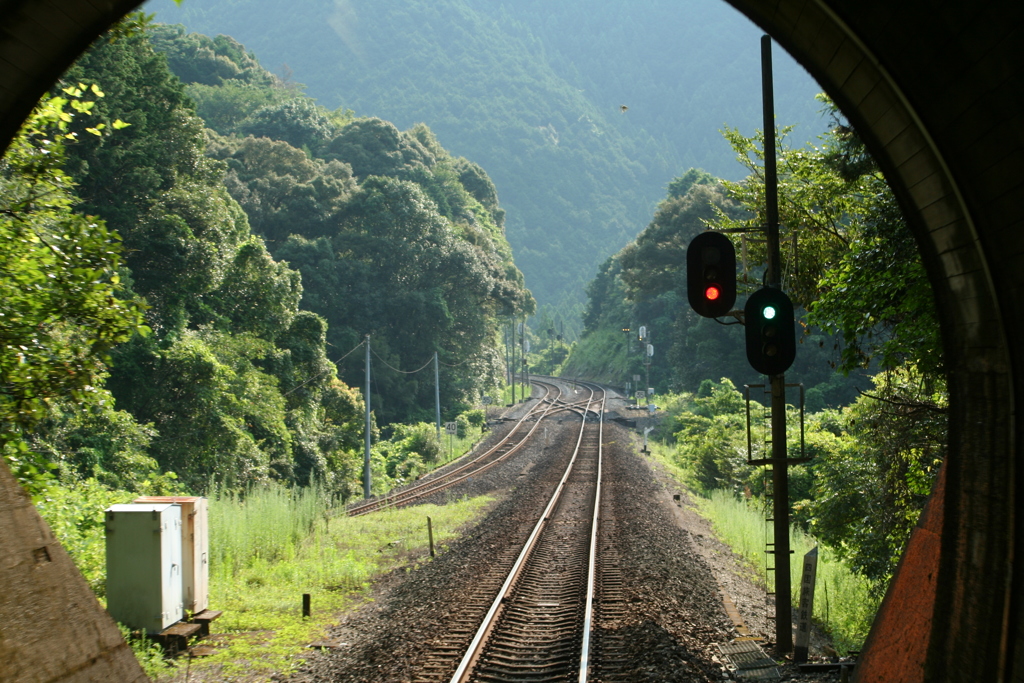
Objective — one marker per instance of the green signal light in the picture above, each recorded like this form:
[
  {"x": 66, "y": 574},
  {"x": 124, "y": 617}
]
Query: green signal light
[{"x": 768, "y": 312}]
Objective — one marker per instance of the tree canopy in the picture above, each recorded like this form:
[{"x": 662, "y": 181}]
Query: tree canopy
[
  {"x": 534, "y": 92},
  {"x": 62, "y": 302},
  {"x": 256, "y": 257},
  {"x": 850, "y": 259}
]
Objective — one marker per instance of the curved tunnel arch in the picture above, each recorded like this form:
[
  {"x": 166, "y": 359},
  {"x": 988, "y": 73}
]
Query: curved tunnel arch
[
  {"x": 927, "y": 86},
  {"x": 930, "y": 86}
]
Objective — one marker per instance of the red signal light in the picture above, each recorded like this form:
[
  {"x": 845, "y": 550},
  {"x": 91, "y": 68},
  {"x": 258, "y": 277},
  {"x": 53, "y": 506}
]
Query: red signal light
[{"x": 711, "y": 274}]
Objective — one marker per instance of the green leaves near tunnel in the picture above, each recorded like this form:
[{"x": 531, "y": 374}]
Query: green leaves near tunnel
[
  {"x": 385, "y": 233},
  {"x": 849, "y": 257},
  {"x": 61, "y": 302}
]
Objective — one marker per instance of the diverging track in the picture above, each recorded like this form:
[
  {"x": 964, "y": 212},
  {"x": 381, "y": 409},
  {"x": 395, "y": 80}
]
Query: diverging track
[{"x": 549, "y": 403}]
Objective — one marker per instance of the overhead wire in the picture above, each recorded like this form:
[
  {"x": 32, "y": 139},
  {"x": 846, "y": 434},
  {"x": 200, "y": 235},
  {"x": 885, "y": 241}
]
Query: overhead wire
[
  {"x": 373, "y": 379},
  {"x": 404, "y": 372},
  {"x": 450, "y": 365},
  {"x": 318, "y": 376}
]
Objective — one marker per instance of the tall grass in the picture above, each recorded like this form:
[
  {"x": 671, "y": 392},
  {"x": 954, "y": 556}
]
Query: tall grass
[
  {"x": 843, "y": 603},
  {"x": 266, "y": 524},
  {"x": 454, "y": 447},
  {"x": 273, "y": 544}
]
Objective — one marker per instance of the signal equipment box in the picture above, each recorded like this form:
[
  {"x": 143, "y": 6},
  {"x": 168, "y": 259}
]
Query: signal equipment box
[
  {"x": 144, "y": 565},
  {"x": 195, "y": 549}
]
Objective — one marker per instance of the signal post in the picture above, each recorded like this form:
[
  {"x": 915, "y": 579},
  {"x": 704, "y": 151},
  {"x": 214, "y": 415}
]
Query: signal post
[
  {"x": 775, "y": 354},
  {"x": 769, "y": 323}
]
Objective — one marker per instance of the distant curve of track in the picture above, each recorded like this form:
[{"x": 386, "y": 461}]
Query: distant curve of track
[{"x": 549, "y": 403}]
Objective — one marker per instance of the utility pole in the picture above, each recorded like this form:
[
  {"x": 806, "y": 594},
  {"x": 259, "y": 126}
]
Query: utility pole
[
  {"x": 366, "y": 454},
  {"x": 780, "y": 471},
  {"x": 626, "y": 331},
  {"x": 512, "y": 368},
  {"x": 769, "y": 331},
  {"x": 525, "y": 350},
  {"x": 508, "y": 362},
  {"x": 437, "y": 395},
  {"x": 647, "y": 351}
]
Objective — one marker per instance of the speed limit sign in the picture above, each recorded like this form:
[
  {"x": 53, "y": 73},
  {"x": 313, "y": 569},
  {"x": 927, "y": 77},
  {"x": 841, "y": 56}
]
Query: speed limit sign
[{"x": 451, "y": 428}]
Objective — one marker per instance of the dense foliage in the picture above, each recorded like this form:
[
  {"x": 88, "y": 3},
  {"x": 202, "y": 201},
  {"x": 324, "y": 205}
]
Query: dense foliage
[
  {"x": 850, "y": 259},
  {"x": 644, "y": 284},
  {"x": 393, "y": 236},
  {"x": 854, "y": 266},
  {"x": 61, "y": 303},
  {"x": 850, "y": 263},
  {"x": 257, "y": 257},
  {"x": 872, "y": 463}
]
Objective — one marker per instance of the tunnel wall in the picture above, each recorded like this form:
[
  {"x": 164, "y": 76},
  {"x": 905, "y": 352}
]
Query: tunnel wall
[
  {"x": 39, "y": 40},
  {"x": 930, "y": 86},
  {"x": 52, "y": 628}
]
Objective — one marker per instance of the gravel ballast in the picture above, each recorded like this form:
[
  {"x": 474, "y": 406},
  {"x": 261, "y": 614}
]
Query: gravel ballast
[{"x": 674, "y": 570}]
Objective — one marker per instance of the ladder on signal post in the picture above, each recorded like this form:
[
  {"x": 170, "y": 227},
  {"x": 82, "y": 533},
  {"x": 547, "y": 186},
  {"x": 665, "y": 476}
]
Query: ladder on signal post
[{"x": 768, "y": 471}]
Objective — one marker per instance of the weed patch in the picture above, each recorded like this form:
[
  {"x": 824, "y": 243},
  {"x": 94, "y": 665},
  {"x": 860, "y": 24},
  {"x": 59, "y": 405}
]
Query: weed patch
[
  {"x": 843, "y": 602},
  {"x": 272, "y": 545}
]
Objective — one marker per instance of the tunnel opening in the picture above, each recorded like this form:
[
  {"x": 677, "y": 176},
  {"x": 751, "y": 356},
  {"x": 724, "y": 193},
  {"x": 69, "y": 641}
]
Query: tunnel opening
[{"x": 927, "y": 88}]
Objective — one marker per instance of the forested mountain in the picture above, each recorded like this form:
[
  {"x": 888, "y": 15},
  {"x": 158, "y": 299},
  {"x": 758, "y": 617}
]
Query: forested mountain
[
  {"x": 582, "y": 112},
  {"x": 259, "y": 249}
]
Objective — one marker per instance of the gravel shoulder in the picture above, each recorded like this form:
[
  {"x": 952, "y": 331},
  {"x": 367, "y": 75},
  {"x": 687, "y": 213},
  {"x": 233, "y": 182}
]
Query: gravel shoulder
[{"x": 738, "y": 583}]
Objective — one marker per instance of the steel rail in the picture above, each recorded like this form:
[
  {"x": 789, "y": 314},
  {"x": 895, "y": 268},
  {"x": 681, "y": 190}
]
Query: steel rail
[
  {"x": 588, "y": 618},
  {"x": 474, "y": 650},
  {"x": 450, "y": 477},
  {"x": 451, "y": 482}
]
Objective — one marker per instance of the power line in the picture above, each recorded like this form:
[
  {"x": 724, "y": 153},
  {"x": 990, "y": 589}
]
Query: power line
[
  {"x": 296, "y": 388},
  {"x": 449, "y": 365},
  {"x": 404, "y": 372}
]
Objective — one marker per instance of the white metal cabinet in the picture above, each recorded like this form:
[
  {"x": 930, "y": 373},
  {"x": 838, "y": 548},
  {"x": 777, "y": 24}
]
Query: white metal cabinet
[
  {"x": 195, "y": 549},
  {"x": 144, "y": 587}
]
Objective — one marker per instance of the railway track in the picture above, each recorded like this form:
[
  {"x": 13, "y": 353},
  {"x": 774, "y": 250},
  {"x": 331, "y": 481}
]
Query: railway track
[
  {"x": 548, "y": 404},
  {"x": 610, "y": 660},
  {"x": 530, "y": 617},
  {"x": 467, "y": 616}
]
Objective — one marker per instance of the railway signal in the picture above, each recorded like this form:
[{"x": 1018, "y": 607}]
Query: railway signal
[
  {"x": 771, "y": 337},
  {"x": 711, "y": 274}
]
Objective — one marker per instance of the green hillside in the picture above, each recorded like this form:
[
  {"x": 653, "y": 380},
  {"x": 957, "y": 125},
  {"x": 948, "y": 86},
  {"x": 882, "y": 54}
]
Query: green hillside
[
  {"x": 226, "y": 272},
  {"x": 534, "y": 93}
]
